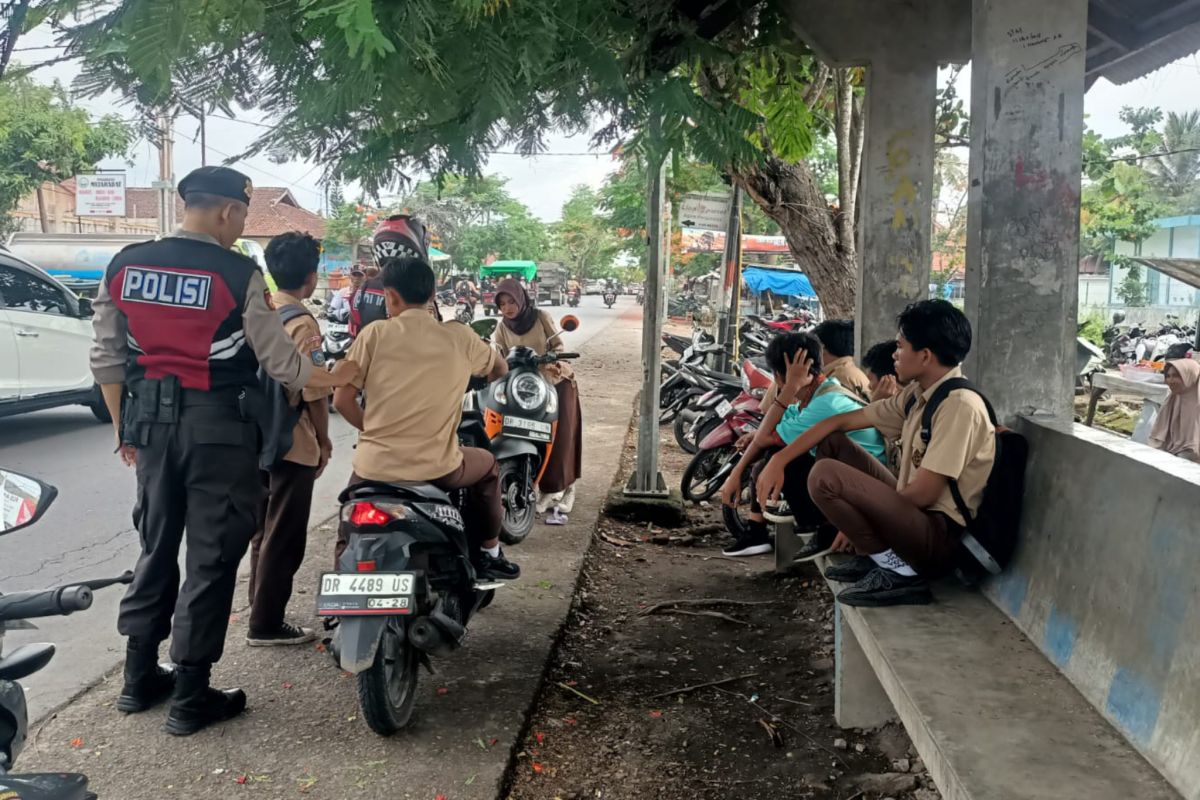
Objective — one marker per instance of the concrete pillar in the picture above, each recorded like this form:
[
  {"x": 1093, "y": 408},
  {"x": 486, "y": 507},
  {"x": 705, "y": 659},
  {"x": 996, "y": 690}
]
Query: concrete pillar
[
  {"x": 1027, "y": 84},
  {"x": 859, "y": 700},
  {"x": 896, "y": 199}
]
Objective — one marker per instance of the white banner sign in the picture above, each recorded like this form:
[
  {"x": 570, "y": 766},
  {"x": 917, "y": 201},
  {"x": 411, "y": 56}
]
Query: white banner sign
[
  {"x": 100, "y": 195},
  {"x": 707, "y": 210}
]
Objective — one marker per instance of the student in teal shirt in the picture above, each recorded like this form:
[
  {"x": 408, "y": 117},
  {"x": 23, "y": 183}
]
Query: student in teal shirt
[
  {"x": 805, "y": 398},
  {"x": 829, "y": 399}
]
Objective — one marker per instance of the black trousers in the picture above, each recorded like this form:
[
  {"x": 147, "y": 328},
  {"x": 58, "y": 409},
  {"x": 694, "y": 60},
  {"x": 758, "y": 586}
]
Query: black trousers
[
  {"x": 277, "y": 549},
  {"x": 198, "y": 476}
]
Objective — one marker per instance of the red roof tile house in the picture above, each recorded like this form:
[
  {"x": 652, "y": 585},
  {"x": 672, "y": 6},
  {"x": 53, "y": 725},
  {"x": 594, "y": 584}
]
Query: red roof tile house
[{"x": 273, "y": 210}]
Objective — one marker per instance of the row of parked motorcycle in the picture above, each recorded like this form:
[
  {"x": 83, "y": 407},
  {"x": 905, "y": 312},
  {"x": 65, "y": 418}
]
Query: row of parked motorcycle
[
  {"x": 1129, "y": 343},
  {"x": 710, "y": 410}
]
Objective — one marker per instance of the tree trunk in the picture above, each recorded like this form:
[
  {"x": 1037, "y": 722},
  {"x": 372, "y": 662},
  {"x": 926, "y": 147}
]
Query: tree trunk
[{"x": 789, "y": 195}]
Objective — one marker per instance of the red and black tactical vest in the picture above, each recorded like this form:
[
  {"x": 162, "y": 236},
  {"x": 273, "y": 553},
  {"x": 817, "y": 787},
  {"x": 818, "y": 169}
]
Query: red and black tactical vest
[
  {"x": 367, "y": 305},
  {"x": 183, "y": 300}
]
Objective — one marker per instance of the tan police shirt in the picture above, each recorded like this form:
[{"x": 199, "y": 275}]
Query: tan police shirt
[
  {"x": 306, "y": 333},
  {"x": 849, "y": 375},
  {"x": 962, "y": 446},
  {"x": 544, "y": 335},
  {"x": 414, "y": 371}
]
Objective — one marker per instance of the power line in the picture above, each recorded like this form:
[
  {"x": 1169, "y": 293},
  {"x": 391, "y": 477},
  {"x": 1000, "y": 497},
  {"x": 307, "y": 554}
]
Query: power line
[{"x": 1154, "y": 155}]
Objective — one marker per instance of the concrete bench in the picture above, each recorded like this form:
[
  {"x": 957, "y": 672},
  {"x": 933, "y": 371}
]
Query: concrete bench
[{"x": 1076, "y": 674}]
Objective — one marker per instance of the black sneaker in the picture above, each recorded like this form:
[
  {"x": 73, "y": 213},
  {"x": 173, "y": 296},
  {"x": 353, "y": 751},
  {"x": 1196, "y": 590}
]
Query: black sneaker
[
  {"x": 497, "y": 568},
  {"x": 285, "y": 634},
  {"x": 817, "y": 546},
  {"x": 851, "y": 570},
  {"x": 753, "y": 545},
  {"x": 882, "y": 587}
]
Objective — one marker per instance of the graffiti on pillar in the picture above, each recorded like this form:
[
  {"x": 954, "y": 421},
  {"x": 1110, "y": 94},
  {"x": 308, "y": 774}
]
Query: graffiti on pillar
[
  {"x": 903, "y": 191},
  {"x": 1027, "y": 73},
  {"x": 1031, "y": 38}
]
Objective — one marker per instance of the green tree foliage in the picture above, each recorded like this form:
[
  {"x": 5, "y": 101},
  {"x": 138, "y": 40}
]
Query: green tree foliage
[
  {"x": 584, "y": 239},
  {"x": 475, "y": 218},
  {"x": 347, "y": 225},
  {"x": 45, "y": 138}
]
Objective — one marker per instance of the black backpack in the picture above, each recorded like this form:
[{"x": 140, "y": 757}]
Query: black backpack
[
  {"x": 991, "y": 535},
  {"x": 279, "y": 417}
]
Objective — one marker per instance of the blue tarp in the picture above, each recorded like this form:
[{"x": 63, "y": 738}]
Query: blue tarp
[{"x": 782, "y": 282}]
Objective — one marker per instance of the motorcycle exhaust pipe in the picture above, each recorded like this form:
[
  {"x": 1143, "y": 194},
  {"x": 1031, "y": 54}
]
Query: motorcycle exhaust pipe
[{"x": 435, "y": 634}]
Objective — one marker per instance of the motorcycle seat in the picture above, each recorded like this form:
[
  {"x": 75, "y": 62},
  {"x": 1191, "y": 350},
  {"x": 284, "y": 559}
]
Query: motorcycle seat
[
  {"x": 24, "y": 661},
  {"x": 46, "y": 786},
  {"x": 418, "y": 490}
]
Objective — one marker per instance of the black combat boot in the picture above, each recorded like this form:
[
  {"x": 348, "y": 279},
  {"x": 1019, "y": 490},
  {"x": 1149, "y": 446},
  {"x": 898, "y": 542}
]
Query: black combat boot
[
  {"x": 146, "y": 683},
  {"x": 195, "y": 705}
]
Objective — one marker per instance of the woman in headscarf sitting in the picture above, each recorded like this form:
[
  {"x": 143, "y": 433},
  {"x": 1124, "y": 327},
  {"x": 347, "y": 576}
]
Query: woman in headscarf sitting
[
  {"x": 1177, "y": 428},
  {"x": 523, "y": 324}
]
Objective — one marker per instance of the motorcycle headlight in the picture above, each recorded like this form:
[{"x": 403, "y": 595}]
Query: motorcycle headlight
[
  {"x": 500, "y": 392},
  {"x": 529, "y": 391}
]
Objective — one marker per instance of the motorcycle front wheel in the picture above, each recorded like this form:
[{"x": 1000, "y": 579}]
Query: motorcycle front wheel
[
  {"x": 387, "y": 690},
  {"x": 705, "y": 473},
  {"x": 519, "y": 506}
]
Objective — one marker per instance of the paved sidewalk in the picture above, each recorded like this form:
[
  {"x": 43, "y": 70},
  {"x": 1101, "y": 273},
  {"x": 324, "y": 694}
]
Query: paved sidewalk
[{"x": 303, "y": 735}]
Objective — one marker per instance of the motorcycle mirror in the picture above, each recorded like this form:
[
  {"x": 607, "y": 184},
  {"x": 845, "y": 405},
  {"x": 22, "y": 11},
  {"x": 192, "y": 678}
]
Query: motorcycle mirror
[
  {"x": 569, "y": 323},
  {"x": 23, "y": 500},
  {"x": 484, "y": 328}
]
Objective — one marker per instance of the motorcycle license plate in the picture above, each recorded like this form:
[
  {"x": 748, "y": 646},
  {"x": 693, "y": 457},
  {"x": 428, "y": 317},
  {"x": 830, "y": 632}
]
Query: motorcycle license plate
[
  {"x": 527, "y": 428},
  {"x": 724, "y": 408},
  {"x": 336, "y": 327},
  {"x": 366, "y": 593}
]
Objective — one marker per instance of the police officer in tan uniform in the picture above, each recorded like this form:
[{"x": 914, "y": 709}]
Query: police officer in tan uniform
[{"x": 182, "y": 326}]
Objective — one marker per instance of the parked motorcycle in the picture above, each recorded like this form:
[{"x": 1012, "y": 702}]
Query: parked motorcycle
[
  {"x": 404, "y": 590},
  {"x": 516, "y": 418},
  {"x": 23, "y": 501},
  {"x": 717, "y": 455}
]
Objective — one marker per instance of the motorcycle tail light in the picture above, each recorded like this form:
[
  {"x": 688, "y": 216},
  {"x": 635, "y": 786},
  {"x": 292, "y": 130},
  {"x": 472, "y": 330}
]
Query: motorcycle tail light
[
  {"x": 364, "y": 513},
  {"x": 365, "y": 566}
]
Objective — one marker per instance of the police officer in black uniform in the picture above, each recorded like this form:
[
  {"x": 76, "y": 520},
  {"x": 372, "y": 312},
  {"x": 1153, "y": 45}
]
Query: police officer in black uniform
[{"x": 182, "y": 326}]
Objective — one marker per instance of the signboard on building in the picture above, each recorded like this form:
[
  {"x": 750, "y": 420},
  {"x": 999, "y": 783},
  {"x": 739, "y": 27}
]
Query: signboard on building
[
  {"x": 100, "y": 194},
  {"x": 705, "y": 210}
]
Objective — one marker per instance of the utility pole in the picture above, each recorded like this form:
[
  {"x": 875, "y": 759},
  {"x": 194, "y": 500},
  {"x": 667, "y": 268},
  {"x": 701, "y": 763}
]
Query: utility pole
[
  {"x": 166, "y": 175},
  {"x": 646, "y": 480},
  {"x": 203, "y": 141},
  {"x": 727, "y": 297}
]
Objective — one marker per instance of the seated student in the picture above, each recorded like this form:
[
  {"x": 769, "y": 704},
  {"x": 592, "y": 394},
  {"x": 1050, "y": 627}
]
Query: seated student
[
  {"x": 806, "y": 396},
  {"x": 837, "y": 355},
  {"x": 909, "y": 527},
  {"x": 879, "y": 363},
  {"x": 414, "y": 370},
  {"x": 1177, "y": 428}
]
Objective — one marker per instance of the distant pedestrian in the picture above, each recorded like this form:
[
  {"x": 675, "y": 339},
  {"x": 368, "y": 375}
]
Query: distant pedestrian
[
  {"x": 182, "y": 325},
  {"x": 295, "y": 455}
]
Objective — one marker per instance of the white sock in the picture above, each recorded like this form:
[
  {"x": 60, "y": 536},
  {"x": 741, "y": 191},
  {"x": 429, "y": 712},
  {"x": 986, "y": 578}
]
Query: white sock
[
  {"x": 494, "y": 552},
  {"x": 889, "y": 560}
]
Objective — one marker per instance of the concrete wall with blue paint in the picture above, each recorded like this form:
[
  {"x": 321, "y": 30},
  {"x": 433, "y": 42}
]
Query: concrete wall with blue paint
[{"x": 1107, "y": 583}]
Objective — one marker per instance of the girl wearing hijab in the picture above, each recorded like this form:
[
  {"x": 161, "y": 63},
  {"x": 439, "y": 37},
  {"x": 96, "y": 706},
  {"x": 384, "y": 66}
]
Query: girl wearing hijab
[
  {"x": 523, "y": 324},
  {"x": 1177, "y": 428}
]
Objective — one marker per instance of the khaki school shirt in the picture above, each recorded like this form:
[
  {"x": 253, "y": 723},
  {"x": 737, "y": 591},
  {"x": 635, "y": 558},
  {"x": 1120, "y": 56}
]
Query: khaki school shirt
[
  {"x": 962, "y": 445},
  {"x": 544, "y": 335},
  {"x": 414, "y": 371},
  {"x": 849, "y": 375},
  {"x": 306, "y": 333}
]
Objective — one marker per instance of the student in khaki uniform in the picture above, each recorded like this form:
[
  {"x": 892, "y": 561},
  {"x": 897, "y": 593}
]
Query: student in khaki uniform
[
  {"x": 277, "y": 549},
  {"x": 906, "y": 527},
  {"x": 414, "y": 371},
  {"x": 837, "y": 356}
]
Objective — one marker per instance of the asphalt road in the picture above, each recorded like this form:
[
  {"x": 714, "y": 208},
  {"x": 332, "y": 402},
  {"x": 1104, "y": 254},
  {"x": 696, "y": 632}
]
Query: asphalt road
[{"x": 88, "y": 532}]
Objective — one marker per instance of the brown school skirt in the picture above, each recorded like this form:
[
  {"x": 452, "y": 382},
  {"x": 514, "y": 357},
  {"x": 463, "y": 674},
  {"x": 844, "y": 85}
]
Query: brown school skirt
[{"x": 566, "y": 460}]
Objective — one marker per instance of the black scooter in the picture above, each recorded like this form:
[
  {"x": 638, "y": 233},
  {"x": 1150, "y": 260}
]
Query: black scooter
[
  {"x": 24, "y": 501},
  {"x": 404, "y": 590}
]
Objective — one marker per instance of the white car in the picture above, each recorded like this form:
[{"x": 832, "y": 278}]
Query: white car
[{"x": 45, "y": 336}]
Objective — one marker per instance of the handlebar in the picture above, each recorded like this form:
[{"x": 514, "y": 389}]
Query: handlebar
[{"x": 46, "y": 603}]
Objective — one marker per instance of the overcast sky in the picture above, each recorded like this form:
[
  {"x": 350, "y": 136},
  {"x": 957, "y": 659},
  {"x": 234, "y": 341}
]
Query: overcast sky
[{"x": 544, "y": 182}]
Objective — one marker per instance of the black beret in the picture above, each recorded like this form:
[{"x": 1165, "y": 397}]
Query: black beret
[{"x": 221, "y": 181}]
